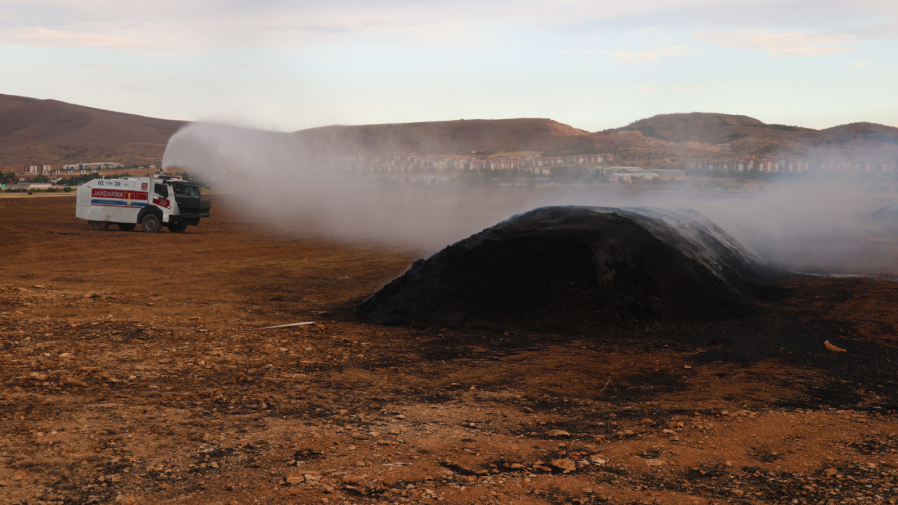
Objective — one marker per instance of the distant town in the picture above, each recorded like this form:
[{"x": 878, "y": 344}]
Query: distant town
[
  {"x": 530, "y": 168},
  {"x": 41, "y": 176}
]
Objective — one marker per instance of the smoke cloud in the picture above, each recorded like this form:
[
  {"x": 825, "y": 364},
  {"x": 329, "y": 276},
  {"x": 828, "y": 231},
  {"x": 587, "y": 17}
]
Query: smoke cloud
[{"x": 290, "y": 185}]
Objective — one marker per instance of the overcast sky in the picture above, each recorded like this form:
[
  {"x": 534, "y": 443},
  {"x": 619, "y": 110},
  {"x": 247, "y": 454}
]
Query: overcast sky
[{"x": 287, "y": 65}]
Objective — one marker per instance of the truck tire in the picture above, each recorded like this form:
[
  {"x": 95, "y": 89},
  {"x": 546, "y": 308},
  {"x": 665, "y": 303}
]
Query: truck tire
[
  {"x": 177, "y": 228},
  {"x": 127, "y": 226},
  {"x": 151, "y": 223},
  {"x": 99, "y": 225}
]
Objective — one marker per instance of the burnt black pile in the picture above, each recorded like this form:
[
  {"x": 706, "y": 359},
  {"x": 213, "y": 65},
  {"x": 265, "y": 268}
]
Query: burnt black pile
[{"x": 575, "y": 270}]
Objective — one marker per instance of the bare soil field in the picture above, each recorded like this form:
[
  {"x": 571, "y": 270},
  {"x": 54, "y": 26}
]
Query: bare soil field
[{"x": 131, "y": 372}]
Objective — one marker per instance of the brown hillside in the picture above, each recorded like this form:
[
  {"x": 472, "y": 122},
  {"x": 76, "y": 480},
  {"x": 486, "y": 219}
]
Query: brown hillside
[
  {"x": 54, "y": 132},
  {"x": 709, "y": 128},
  {"x": 454, "y": 137},
  {"x": 868, "y": 134}
]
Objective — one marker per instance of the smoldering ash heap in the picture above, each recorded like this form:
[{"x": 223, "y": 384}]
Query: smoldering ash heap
[{"x": 576, "y": 270}]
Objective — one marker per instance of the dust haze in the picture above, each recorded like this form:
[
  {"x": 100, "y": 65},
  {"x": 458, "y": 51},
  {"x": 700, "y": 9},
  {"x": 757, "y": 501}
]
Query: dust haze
[{"x": 290, "y": 185}]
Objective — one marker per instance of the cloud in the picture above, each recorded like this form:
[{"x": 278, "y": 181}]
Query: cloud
[
  {"x": 587, "y": 51},
  {"x": 681, "y": 89},
  {"x": 39, "y": 36},
  {"x": 176, "y": 24},
  {"x": 799, "y": 43},
  {"x": 652, "y": 54},
  {"x": 684, "y": 88},
  {"x": 862, "y": 63}
]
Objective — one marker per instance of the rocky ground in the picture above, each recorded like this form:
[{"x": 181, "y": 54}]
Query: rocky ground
[{"x": 131, "y": 372}]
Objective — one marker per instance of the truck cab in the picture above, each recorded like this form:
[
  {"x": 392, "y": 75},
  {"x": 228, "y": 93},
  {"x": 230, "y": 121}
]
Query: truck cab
[{"x": 152, "y": 202}]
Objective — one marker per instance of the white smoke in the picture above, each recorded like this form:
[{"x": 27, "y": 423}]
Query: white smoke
[{"x": 285, "y": 183}]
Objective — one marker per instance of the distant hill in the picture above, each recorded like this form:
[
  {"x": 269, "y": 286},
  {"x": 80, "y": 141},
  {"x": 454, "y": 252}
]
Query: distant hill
[
  {"x": 748, "y": 136},
  {"x": 455, "y": 137},
  {"x": 861, "y": 134},
  {"x": 54, "y": 132},
  {"x": 694, "y": 127}
]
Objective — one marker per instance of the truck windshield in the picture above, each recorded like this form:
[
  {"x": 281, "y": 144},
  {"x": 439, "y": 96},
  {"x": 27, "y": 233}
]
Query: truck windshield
[{"x": 182, "y": 191}]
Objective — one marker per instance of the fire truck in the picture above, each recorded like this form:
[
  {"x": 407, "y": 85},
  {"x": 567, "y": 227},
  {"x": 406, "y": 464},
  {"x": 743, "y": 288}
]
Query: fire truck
[{"x": 151, "y": 202}]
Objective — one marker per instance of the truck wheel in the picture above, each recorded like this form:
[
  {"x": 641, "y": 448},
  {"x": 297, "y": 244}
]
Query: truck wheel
[
  {"x": 99, "y": 225},
  {"x": 127, "y": 226},
  {"x": 150, "y": 223},
  {"x": 177, "y": 228}
]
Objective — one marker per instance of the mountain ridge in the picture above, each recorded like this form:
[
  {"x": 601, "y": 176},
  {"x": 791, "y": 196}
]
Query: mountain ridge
[{"x": 54, "y": 132}]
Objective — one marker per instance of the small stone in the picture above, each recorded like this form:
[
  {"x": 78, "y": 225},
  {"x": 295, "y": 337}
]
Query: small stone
[
  {"x": 71, "y": 381},
  {"x": 687, "y": 367},
  {"x": 107, "y": 377},
  {"x": 565, "y": 465},
  {"x": 351, "y": 479},
  {"x": 516, "y": 466},
  {"x": 832, "y": 348},
  {"x": 831, "y": 472},
  {"x": 126, "y": 500},
  {"x": 596, "y": 459},
  {"x": 394, "y": 430},
  {"x": 654, "y": 462},
  {"x": 728, "y": 463},
  {"x": 558, "y": 433},
  {"x": 37, "y": 376},
  {"x": 667, "y": 431},
  {"x": 66, "y": 355},
  {"x": 295, "y": 478}
]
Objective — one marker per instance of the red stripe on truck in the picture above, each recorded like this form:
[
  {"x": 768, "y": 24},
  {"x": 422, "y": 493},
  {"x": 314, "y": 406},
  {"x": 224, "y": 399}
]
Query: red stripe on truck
[{"x": 118, "y": 193}]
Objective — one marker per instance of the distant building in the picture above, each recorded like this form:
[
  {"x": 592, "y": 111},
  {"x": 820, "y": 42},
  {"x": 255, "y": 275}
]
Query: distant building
[
  {"x": 669, "y": 172},
  {"x": 794, "y": 165},
  {"x": 37, "y": 169},
  {"x": 628, "y": 177},
  {"x": 102, "y": 165},
  {"x": 32, "y": 185}
]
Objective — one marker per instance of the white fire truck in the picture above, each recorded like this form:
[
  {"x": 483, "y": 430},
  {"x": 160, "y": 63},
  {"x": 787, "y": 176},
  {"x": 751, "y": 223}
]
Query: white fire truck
[{"x": 152, "y": 202}]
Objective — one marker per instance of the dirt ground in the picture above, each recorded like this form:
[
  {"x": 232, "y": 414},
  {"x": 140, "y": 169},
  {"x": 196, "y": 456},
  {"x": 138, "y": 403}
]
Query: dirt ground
[{"x": 131, "y": 372}]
